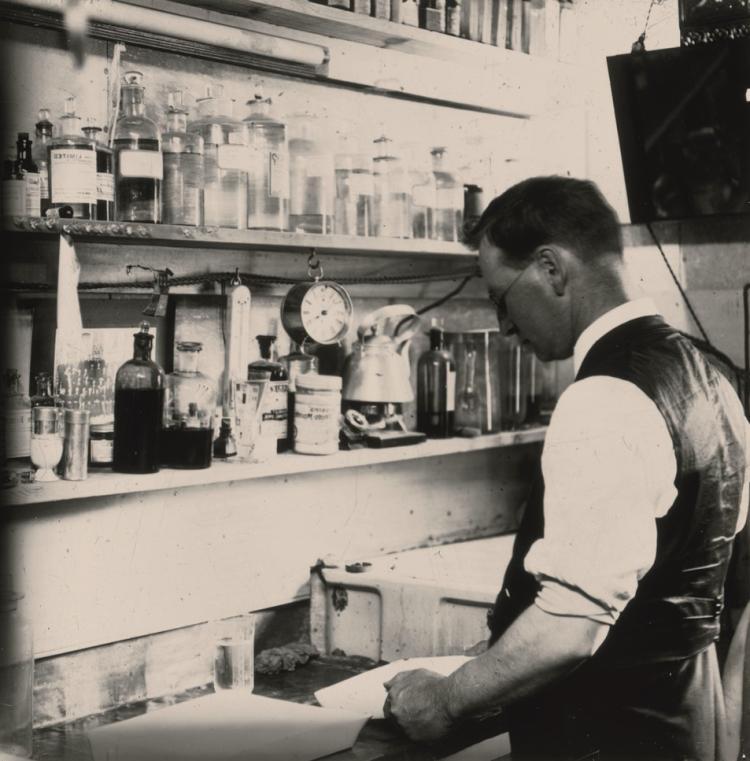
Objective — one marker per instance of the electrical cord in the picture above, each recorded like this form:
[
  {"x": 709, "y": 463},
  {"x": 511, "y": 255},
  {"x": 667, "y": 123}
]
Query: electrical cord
[
  {"x": 705, "y": 345},
  {"x": 252, "y": 278},
  {"x": 435, "y": 304},
  {"x": 679, "y": 286}
]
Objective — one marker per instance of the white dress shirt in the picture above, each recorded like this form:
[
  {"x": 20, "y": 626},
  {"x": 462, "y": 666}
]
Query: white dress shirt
[{"x": 609, "y": 470}]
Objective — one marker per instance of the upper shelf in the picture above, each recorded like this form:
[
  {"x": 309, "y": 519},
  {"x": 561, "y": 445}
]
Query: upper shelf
[{"x": 110, "y": 484}]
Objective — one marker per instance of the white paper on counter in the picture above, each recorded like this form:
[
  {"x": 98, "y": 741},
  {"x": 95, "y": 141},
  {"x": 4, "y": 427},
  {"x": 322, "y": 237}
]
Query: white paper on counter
[
  {"x": 231, "y": 725},
  {"x": 365, "y": 694}
]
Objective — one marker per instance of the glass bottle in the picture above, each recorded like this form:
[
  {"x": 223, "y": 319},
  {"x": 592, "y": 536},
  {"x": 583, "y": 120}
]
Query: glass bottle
[
  {"x": 13, "y": 190},
  {"x": 189, "y": 405},
  {"x": 423, "y": 193},
  {"x": 449, "y": 207},
  {"x": 352, "y": 214},
  {"x": 138, "y": 158},
  {"x": 225, "y": 160},
  {"x": 296, "y": 363},
  {"x": 392, "y": 197},
  {"x": 105, "y": 174},
  {"x": 436, "y": 389},
  {"x": 516, "y": 387},
  {"x": 275, "y": 404},
  {"x": 311, "y": 174},
  {"x": 268, "y": 178},
  {"x": 72, "y": 167},
  {"x": 139, "y": 401},
  {"x": 28, "y": 172},
  {"x": 39, "y": 153},
  {"x": 183, "y": 168}
]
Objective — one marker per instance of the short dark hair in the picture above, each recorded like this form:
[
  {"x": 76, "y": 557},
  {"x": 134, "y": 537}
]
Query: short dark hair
[{"x": 552, "y": 209}]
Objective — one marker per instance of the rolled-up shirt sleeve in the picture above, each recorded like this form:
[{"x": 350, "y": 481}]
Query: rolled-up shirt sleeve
[{"x": 609, "y": 470}]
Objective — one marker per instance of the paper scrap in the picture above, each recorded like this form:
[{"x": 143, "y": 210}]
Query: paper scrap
[{"x": 228, "y": 725}]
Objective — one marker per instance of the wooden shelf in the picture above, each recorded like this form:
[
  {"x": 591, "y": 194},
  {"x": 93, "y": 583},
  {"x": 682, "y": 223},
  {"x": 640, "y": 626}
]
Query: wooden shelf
[
  {"x": 134, "y": 234},
  {"x": 341, "y": 24},
  {"x": 112, "y": 484}
]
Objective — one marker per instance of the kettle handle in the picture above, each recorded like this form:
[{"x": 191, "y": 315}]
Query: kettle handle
[{"x": 387, "y": 313}]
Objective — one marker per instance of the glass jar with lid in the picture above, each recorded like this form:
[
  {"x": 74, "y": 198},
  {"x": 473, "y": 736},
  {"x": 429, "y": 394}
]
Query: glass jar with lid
[
  {"x": 449, "y": 208},
  {"x": 311, "y": 177},
  {"x": 392, "y": 194},
  {"x": 189, "y": 407},
  {"x": 423, "y": 192},
  {"x": 225, "y": 160},
  {"x": 268, "y": 171},
  {"x": 183, "y": 167},
  {"x": 352, "y": 214}
]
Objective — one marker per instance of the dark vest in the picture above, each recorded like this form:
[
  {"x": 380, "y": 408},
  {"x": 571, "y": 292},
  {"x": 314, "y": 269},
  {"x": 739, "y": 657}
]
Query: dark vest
[{"x": 635, "y": 687}]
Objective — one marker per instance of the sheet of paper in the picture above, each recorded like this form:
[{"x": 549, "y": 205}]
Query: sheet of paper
[
  {"x": 365, "y": 694},
  {"x": 231, "y": 725}
]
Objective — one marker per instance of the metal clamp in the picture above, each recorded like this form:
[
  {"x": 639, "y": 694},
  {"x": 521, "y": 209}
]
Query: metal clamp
[{"x": 314, "y": 267}]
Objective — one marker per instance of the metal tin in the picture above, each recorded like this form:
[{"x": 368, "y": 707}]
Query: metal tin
[
  {"x": 75, "y": 452},
  {"x": 44, "y": 420}
]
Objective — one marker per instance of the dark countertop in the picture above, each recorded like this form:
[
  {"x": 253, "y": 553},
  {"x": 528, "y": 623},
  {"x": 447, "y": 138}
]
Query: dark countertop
[{"x": 378, "y": 740}]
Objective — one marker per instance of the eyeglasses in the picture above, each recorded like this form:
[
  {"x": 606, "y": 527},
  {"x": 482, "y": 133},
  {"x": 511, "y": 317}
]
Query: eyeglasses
[{"x": 499, "y": 301}]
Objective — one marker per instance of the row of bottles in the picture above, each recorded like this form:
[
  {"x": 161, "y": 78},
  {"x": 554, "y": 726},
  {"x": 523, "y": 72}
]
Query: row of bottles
[
  {"x": 217, "y": 170},
  {"x": 539, "y": 27}
]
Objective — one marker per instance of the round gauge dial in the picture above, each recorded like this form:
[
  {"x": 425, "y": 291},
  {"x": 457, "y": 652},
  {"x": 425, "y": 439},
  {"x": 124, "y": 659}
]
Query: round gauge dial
[{"x": 320, "y": 311}]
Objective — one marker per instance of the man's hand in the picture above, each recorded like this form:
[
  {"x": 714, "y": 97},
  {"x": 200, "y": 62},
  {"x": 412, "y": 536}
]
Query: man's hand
[{"x": 418, "y": 702}]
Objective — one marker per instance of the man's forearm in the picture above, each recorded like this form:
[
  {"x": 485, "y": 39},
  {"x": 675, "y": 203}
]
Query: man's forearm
[{"x": 537, "y": 648}]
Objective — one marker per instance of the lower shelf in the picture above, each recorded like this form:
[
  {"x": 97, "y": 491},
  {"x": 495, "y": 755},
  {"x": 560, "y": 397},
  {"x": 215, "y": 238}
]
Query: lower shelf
[{"x": 108, "y": 483}]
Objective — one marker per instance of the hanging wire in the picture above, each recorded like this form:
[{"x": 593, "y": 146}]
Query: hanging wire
[
  {"x": 684, "y": 295},
  {"x": 639, "y": 46}
]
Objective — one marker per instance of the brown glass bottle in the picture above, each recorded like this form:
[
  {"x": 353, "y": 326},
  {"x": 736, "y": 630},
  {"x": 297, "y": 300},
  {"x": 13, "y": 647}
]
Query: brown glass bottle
[
  {"x": 436, "y": 389},
  {"x": 139, "y": 400}
]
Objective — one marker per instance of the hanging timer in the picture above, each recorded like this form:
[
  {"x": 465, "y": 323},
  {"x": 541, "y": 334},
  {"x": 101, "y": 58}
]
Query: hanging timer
[{"x": 319, "y": 311}]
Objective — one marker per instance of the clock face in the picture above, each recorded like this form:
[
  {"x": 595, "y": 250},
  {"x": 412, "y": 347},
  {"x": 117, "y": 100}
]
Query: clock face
[{"x": 326, "y": 313}]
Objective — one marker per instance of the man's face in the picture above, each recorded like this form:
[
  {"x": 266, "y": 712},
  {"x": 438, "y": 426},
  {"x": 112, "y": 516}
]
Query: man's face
[{"x": 527, "y": 303}]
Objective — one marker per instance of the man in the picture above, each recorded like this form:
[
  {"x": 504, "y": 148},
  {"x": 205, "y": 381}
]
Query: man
[{"x": 602, "y": 635}]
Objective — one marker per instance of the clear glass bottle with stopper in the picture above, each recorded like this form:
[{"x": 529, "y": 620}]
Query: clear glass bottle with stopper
[
  {"x": 40, "y": 152},
  {"x": 423, "y": 192},
  {"x": 189, "y": 406},
  {"x": 268, "y": 176},
  {"x": 449, "y": 199},
  {"x": 72, "y": 167},
  {"x": 311, "y": 175},
  {"x": 225, "y": 160},
  {"x": 183, "y": 167},
  {"x": 139, "y": 404},
  {"x": 138, "y": 158},
  {"x": 105, "y": 177},
  {"x": 392, "y": 198},
  {"x": 352, "y": 214}
]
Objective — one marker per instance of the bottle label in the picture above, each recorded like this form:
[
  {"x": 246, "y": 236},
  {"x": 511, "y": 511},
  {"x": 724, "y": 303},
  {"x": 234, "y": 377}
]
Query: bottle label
[
  {"x": 316, "y": 425},
  {"x": 450, "y": 391},
  {"x": 360, "y": 184},
  {"x": 450, "y": 198},
  {"x": 233, "y": 157},
  {"x": 73, "y": 173},
  {"x": 44, "y": 184},
  {"x": 14, "y": 198},
  {"x": 147, "y": 164},
  {"x": 101, "y": 451},
  {"x": 278, "y": 175},
  {"x": 423, "y": 196},
  {"x": 33, "y": 194},
  {"x": 105, "y": 186},
  {"x": 275, "y": 410}
]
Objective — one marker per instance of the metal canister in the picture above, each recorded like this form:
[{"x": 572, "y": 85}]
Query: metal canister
[{"x": 75, "y": 458}]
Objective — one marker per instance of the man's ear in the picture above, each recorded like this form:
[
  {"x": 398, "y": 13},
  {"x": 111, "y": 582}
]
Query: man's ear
[{"x": 553, "y": 266}]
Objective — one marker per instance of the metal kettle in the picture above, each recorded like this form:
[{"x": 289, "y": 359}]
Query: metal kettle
[{"x": 377, "y": 370}]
